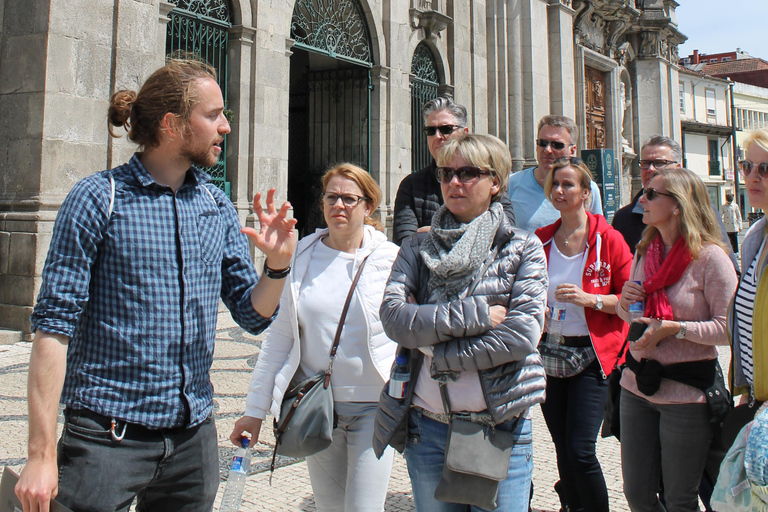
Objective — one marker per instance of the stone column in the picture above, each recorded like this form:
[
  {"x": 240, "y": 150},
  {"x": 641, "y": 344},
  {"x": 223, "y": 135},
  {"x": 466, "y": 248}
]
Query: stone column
[
  {"x": 561, "y": 59},
  {"x": 535, "y": 76},
  {"x": 239, "y": 59}
]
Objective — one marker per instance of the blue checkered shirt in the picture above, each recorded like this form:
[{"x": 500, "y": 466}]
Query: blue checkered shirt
[{"x": 137, "y": 293}]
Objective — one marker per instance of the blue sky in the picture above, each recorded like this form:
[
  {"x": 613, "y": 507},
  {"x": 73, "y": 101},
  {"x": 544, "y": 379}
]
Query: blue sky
[{"x": 715, "y": 26}]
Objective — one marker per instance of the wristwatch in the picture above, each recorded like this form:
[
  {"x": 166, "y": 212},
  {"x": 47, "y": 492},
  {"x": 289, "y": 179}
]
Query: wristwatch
[
  {"x": 599, "y": 303},
  {"x": 681, "y": 333}
]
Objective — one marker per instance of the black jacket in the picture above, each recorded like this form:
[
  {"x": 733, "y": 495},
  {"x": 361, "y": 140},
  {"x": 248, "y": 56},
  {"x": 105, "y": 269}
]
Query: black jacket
[{"x": 418, "y": 199}]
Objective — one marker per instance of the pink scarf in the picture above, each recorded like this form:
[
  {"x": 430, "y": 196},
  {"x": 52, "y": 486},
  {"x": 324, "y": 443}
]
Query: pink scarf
[{"x": 661, "y": 272}]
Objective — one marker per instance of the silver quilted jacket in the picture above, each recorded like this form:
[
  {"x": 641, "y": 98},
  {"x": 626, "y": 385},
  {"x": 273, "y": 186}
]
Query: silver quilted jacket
[{"x": 461, "y": 334}]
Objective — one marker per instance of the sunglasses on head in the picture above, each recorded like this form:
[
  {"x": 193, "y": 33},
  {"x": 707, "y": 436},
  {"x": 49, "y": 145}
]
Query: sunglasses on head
[
  {"x": 445, "y": 129},
  {"x": 746, "y": 167},
  {"x": 467, "y": 174},
  {"x": 556, "y": 145},
  {"x": 652, "y": 193},
  {"x": 657, "y": 164},
  {"x": 564, "y": 161}
]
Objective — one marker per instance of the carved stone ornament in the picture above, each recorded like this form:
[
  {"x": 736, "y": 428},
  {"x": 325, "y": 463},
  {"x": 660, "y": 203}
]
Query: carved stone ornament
[{"x": 426, "y": 15}]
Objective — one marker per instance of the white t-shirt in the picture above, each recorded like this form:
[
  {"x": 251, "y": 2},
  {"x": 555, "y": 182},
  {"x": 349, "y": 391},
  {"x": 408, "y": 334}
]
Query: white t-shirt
[
  {"x": 567, "y": 269},
  {"x": 321, "y": 298}
]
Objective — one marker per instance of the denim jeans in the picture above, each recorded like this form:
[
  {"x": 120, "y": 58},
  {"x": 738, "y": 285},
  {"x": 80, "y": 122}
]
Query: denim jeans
[
  {"x": 672, "y": 439},
  {"x": 347, "y": 476},
  {"x": 425, "y": 455},
  {"x": 174, "y": 469},
  {"x": 573, "y": 412}
]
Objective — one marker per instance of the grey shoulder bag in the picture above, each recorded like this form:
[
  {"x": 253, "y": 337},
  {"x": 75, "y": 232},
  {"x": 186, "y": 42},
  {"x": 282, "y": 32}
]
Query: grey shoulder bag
[
  {"x": 476, "y": 460},
  {"x": 306, "y": 417}
]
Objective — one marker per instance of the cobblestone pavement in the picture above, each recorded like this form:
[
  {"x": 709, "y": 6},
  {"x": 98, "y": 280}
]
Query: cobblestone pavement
[{"x": 236, "y": 354}]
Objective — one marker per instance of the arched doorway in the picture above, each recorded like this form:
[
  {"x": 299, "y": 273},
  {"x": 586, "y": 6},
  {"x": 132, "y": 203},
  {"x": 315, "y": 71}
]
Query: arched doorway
[
  {"x": 330, "y": 99},
  {"x": 424, "y": 84},
  {"x": 200, "y": 28}
]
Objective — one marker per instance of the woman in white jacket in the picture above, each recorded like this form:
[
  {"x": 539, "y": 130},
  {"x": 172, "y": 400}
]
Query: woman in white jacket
[{"x": 346, "y": 476}]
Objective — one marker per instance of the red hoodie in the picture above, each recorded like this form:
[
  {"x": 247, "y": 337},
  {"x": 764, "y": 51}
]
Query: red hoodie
[{"x": 606, "y": 269}]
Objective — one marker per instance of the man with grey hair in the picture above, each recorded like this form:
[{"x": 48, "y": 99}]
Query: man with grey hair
[
  {"x": 556, "y": 138},
  {"x": 419, "y": 196}
]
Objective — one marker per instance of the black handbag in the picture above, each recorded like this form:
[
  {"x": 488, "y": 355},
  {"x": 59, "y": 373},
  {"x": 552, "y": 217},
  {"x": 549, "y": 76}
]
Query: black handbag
[
  {"x": 307, "y": 418},
  {"x": 476, "y": 460},
  {"x": 611, "y": 414}
]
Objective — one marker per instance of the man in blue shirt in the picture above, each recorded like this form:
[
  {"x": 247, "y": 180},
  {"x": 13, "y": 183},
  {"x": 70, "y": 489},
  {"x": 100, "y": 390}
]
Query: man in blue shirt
[
  {"x": 557, "y": 136},
  {"x": 126, "y": 316}
]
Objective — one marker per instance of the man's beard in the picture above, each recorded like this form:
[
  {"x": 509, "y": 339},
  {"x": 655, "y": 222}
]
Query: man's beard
[{"x": 201, "y": 157}]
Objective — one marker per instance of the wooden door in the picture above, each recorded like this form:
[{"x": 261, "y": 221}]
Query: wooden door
[{"x": 596, "y": 133}]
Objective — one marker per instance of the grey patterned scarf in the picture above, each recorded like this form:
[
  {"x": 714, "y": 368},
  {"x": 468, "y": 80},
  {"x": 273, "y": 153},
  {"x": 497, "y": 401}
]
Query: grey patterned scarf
[{"x": 453, "y": 252}]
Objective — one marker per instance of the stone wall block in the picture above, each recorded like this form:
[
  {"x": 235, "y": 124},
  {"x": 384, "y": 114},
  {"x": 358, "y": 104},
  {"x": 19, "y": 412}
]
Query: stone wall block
[
  {"x": 69, "y": 118},
  {"x": 138, "y": 25},
  {"x": 20, "y": 174},
  {"x": 82, "y": 19},
  {"x": 92, "y": 73},
  {"x": 17, "y": 290},
  {"x": 62, "y": 63},
  {"x": 67, "y": 162},
  {"x": 5, "y": 240},
  {"x": 24, "y": 64},
  {"x": 22, "y": 254},
  {"x": 16, "y": 317},
  {"x": 21, "y": 115}
]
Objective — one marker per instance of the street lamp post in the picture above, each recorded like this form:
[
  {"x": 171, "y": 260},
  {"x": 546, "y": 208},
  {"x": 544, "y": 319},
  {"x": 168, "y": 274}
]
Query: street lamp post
[{"x": 733, "y": 147}]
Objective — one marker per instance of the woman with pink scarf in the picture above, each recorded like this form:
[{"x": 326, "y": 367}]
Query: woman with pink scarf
[{"x": 686, "y": 281}]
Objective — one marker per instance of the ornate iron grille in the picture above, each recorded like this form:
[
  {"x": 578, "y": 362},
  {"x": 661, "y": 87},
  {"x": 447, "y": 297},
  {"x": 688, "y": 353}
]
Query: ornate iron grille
[
  {"x": 424, "y": 82},
  {"x": 336, "y": 28},
  {"x": 200, "y": 27},
  {"x": 337, "y": 130}
]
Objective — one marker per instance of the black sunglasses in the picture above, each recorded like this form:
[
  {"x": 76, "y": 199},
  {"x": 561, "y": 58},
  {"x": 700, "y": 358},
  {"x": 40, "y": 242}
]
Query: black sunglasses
[
  {"x": 652, "y": 193},
  {"x": 445, "y": 129},
  {"x": 657, "y": 164},
  {"x": 747, "y": 166},
  {"x": 564, "y": 161},
  {"x": 467, "y": 174},
  {"x": 556, "y": 145}
]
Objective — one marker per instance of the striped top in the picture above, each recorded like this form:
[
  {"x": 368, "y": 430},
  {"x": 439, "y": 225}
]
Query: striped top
[{"x": 745, "y": 302}]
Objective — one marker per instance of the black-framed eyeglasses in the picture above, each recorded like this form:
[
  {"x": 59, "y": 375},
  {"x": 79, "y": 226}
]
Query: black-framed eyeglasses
[
  {"x": 746, "y": 167},
  {"x": 657, "y": 164},
  {"x": 445, "y": 129},
  {"x": 556, "y": 144},
  {"x": 466, "y": 174},
  {"x": 652, "y": 193},
  {"x": 348, "y": 200}
]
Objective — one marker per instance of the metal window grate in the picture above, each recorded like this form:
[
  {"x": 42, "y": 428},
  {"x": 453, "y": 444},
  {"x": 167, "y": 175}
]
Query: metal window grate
[{"x": 424, "y": 83}]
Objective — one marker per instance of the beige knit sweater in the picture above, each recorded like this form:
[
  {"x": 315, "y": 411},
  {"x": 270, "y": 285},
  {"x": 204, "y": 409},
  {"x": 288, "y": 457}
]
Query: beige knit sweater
[{"x": 700, "y": 298}]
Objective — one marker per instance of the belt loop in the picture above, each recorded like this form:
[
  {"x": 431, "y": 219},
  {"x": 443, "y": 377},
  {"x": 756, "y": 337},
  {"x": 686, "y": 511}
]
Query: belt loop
[{"x": 113, "y": 430}]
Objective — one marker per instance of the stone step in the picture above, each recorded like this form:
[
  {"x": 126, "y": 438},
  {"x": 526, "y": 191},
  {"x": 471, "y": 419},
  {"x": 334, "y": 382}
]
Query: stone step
[{"x": 8, "y": 337}]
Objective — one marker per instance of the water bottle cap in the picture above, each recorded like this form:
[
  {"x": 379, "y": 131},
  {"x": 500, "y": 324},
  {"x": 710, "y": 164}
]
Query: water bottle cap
[
  {"x": 400, "y": 359},
  {"x": 245, "y": 442}
]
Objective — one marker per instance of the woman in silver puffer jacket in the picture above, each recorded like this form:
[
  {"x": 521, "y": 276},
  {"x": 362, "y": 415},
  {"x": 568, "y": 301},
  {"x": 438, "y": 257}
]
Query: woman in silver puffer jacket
[{"x": 466, "y": 302}]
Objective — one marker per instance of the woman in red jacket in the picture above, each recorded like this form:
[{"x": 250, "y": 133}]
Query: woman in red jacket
[{"x": 588, "y": 263}]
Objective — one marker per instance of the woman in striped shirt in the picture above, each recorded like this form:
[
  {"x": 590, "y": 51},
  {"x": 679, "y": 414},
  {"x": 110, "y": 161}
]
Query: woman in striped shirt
[{"x": 749, "y": 364}]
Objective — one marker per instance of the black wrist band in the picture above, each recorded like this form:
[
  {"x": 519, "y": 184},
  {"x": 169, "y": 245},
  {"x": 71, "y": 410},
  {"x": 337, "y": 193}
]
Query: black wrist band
[{"x": 276, "y": 274}]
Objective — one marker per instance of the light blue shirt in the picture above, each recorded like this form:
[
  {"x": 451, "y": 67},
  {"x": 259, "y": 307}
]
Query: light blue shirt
[{"x": 532, "y": 209}]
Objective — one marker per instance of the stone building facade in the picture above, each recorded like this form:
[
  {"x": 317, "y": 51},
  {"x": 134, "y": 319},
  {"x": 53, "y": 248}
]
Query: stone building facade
[{"x": 309, "y": 82}]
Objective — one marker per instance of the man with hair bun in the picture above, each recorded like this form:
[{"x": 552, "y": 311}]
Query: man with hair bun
[{"x": 126, "y": 316}]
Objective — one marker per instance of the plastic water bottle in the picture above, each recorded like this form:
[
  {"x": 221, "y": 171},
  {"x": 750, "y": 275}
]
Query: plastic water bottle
[
  {"x": 554, "y": 334},
  {"x": 399, "y": 378},
  {"x": 233, "y": 493},
  {"x": 636, "y": 309}
]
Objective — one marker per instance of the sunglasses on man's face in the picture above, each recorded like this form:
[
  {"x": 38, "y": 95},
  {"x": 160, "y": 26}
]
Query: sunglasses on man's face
[
  {"x": 445, "y": 129},
  {"x": 747, "y": 166},
  {"x": 556, "y": 144},
  {"x": 652, "y": 193},
  {"x": 467, "y": 174}
]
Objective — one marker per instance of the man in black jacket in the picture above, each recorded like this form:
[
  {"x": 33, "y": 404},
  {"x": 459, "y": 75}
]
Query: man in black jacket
[
  {"x": 657, "y": 154},
  {"x": 419, "y": 196}
]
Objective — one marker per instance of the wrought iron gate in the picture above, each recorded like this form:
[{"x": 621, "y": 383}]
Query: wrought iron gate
[
  {"x": 200, "y": 27},
  {"x": 331, "y": 102},
  {"x": 424, "y": 83}
]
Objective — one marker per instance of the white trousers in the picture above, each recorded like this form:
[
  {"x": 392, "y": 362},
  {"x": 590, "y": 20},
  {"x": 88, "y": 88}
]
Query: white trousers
[{"x": 347, "y": 476}]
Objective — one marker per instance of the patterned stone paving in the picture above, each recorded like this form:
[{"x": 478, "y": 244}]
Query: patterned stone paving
[{"x": 236, "y": 353}]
